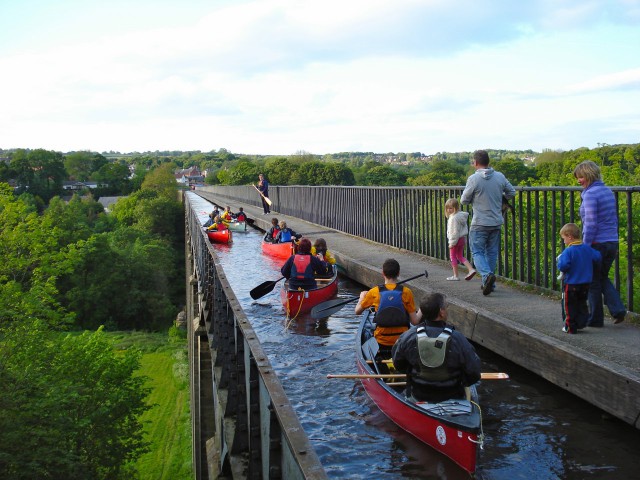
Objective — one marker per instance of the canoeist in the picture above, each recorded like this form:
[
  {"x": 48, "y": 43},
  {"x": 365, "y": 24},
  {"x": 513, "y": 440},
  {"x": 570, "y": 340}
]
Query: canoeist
[
  {"x": 241, "y": 216},
  {"x": 319, "y": 249},
  {"x": 272, "y": 233},
  {"x": 439, "y": 361},
  {"x": 394, "y": 305},
  {"x": 302, "y": 268},
  {"x": 286, "y": 234},
  {"x": 217, "y": 224},
  {"x": 226, "y": 215}
]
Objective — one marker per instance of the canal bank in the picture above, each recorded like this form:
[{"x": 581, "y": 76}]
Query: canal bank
[{"x": 601, "y": 366}]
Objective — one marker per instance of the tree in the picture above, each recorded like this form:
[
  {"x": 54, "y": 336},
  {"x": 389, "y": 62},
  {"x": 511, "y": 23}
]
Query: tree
[
  {"x": 443, "y": 173},
  {"x": 69, "y": 405},
  {"x": 384, "y": 175},
  {"x": 80, "y": 165},
  {"x": 40, "y": 172},
  {"x": 162, "y": 180},
  {"x": 116, "y": 176}
]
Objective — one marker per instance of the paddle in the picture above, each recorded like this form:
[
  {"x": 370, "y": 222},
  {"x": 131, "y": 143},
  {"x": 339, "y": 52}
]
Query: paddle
[
  {"x": 328, "y": 308},
  {"x": 483, "y": 375},
  {"x": 264, "y": 288},
  {"x": 266, "y": 199}
]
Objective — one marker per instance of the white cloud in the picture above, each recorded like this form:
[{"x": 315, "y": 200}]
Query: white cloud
[{"x": 276, "y": 76}]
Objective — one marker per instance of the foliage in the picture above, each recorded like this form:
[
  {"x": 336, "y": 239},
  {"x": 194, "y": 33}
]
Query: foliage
[
  {"x": 162, "y": 181},
  {"x": 39, "y": 172},
  {"x": 443, "y": 173},
  {"x": 69, "y": 405},
  {"x": 81, "y": 165}
]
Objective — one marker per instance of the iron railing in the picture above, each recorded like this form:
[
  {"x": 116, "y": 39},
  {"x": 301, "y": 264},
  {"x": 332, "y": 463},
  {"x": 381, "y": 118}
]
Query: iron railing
[
  {"x": 413, "y": 218},
  {"x": 243, "y": 425}
]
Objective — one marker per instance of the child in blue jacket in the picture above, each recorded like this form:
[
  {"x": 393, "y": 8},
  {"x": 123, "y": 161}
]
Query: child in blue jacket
[{"x": 576, "y": 263}]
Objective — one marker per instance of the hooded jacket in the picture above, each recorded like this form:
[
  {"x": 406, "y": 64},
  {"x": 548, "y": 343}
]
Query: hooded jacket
[
  {"x": 484, "y": 190},
  {"x": 457, "y": 227}
]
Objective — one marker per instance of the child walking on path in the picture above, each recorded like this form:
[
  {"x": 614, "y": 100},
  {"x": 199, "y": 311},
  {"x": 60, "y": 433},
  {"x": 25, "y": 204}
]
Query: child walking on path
[
  {"x": 576, "y": 262},
  {"x": 457, "y": 231}
]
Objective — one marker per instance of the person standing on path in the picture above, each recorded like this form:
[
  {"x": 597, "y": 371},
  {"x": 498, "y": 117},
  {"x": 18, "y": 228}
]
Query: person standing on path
[
  {"x": 484, "y": 191},
  {"x": 600, "y": 230},
  {"x": 457, "y": 232},
  {"x": 263, "y": 187}
]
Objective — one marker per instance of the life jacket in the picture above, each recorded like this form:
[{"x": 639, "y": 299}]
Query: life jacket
[
  {"x": 391, "y": 311},
  {"x": 301, "y": 268},
  {"x": 392, "y": 319},
  {"x": 275, "y": 231},
  {"x": 226, "y": 216},
  {"x": 241, "y": 217},
  {"x": 433, "y": 353},
  {"x": 285, "y": 235}
]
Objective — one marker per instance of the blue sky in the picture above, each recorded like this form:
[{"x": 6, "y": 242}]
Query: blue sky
[{"x": 282, "y": 76}]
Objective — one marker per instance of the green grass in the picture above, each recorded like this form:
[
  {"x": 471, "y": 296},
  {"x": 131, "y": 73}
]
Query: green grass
[{"x": 168, "y": 423}]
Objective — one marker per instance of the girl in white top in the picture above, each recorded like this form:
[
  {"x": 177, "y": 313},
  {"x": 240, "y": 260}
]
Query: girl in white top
[{"x": 457, "y": 231}]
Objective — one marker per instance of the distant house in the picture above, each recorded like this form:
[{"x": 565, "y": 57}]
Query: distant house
[
  {"x": 189, "y": 176},
  {"x": 107, "y": 202},
  {"x": 77, "y": 186}
]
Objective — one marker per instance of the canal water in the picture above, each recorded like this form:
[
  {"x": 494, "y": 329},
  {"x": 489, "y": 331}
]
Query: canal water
[{"x": 533, "y": 430}]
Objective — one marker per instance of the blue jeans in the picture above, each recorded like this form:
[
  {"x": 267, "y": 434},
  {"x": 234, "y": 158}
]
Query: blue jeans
[
  {"x": 601, "y": 285},
  {"x": 485, "y": 245}
]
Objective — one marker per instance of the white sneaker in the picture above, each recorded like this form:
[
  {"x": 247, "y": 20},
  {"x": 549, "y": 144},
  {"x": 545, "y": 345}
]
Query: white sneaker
[{"x": 453, "y": 279}]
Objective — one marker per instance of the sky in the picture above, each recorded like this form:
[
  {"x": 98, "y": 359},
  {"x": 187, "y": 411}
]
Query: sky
[{"x": 277, "y": 77}]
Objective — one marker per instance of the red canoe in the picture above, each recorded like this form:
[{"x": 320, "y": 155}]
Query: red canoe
[
  {"x": 278, "y": 250},
  {"x": 296, "y": 302},
  {"x": 219, "y": 236},
  {"x": 452, "y": 427}
]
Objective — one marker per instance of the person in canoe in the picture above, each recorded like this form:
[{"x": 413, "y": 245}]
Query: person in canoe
[
  {"x": 286, "y": 234},
  {"x": 394, "y": 305},
  {"x": 240, "y": 216},
  {"x": 319, "y": 249},
  {"x": 438, "y": 360},
  {"x": 272, "y": 233},
  {"x": 226, "y": 215},
  {"x": 217, "y": 224},
  {"x": 302, "y": 268}
]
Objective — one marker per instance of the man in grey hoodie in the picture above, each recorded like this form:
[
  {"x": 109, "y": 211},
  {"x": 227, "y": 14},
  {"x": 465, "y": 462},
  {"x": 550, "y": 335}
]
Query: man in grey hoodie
[{"x": 484, "y": 191}]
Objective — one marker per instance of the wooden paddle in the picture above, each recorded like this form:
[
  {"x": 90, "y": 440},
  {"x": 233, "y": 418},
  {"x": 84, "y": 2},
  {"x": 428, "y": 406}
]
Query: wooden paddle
[
  {"x": 483, "y": 375},
  {"x": 266, "y": 199},
  {"x": 264, "y": 288},
  {"x": 328, "y": 308}
]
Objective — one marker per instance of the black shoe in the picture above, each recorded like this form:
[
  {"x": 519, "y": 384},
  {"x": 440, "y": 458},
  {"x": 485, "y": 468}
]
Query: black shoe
[
  {"x": 487, "y": 287},
  {"x": 619, "y": 318}
]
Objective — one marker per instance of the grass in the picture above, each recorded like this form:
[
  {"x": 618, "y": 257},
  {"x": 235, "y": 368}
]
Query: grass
[{"x": 168, "y": 423}]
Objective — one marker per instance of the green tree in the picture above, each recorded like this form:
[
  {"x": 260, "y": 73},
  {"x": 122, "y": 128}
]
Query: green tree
[
  {"x": 39, "y": 172},
  {"x": 162, "y": 180},
  {"x": 80, "y": 165},
  {"x": 69, "y": 405},
  {"x": 442, "y": 173},
  {"x": 383, "y": 175}
]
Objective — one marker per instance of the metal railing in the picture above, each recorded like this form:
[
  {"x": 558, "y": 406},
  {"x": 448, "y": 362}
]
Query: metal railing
[
  {"x": 413, "y": 218},
  {"x": 243, "y": 425}
]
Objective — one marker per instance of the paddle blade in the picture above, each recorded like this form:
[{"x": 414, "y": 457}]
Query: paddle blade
[
  {"x": 264, "y": 288},
  {"x": 328, "y": 308}
]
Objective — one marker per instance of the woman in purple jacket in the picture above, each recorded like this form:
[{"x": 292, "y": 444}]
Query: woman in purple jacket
[{"x": 600, "y": 230}]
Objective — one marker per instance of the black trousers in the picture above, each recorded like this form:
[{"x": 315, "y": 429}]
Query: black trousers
[
  {"x": 265, "y": 206},
  {"x": 575, "y": 310}
]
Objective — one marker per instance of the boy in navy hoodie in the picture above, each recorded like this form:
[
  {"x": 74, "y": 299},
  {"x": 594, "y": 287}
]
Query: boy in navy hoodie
[{"x": 576, "y": 263}]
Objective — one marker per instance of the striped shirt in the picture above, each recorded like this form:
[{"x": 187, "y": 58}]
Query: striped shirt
[{"x": 599, "y": 214}]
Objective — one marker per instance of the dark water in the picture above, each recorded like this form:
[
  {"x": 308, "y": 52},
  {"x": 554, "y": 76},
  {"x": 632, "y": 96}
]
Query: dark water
[{"x": 533, "y": 430}]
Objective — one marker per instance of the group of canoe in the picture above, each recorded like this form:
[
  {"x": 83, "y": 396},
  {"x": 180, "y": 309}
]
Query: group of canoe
[
  {"x": 453, "y": 427},
  {"x": 220, "y": 225}
]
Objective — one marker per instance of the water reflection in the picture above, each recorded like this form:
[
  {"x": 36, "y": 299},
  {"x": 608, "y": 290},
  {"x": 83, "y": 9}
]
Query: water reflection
[{"x": 533, "y": 429}]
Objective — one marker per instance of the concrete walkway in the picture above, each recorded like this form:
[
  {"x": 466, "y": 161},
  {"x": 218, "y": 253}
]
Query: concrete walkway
[{"x": 600, "y": 365}]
